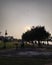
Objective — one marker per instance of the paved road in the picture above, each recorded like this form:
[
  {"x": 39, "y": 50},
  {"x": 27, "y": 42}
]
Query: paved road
[
  {"x": 24, "y": 52},
  {"x": 49, "y": 64}
]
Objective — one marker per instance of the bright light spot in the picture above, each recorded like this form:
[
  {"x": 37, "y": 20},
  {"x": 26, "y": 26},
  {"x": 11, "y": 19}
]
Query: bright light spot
[{"x": 27, "y": 28}]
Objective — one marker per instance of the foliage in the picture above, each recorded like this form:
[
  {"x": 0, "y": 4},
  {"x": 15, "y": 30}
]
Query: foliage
[{"x": 38, "y": 33}]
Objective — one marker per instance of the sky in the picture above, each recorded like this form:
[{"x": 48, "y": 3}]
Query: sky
[{"x": 16, "y": 16}]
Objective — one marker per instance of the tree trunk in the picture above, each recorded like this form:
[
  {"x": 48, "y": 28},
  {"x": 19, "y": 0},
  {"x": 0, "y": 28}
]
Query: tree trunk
[
  {"x": 39, "y": 44},
  {"x": 47, "y": 43}
]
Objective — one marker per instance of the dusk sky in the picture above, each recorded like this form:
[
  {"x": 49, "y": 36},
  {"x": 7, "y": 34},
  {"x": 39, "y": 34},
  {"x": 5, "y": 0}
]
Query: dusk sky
[{"x": 16, "y": 16}]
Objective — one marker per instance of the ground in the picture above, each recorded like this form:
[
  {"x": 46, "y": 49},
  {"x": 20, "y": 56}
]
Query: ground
[
  {"x": 24, "y": 61},
  {"x": 9, "y": 56}
]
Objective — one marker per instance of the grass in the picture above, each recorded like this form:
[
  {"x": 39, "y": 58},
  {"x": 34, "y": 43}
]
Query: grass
[
  {"x": 8, "y": 45},
  {"x": 23, "y": 61}
]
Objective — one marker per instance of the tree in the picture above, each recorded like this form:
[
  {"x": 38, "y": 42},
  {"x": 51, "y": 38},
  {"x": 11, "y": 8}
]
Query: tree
[
  {"x": 41, "y": 34},
  {"x": 26, "y": 36},
  {"x": 38, "y": 33}
]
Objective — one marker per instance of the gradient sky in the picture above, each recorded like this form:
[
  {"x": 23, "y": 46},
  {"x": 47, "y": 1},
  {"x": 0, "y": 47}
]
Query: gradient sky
[{"x": 16, "y": 15}]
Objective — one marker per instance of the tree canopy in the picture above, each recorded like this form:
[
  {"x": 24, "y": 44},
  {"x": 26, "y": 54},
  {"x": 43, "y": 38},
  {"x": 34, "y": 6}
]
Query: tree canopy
[{"x": 38, "y": 33}]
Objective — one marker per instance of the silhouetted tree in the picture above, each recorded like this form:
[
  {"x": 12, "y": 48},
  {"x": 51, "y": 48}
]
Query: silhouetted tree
[
  {"x": 26, "y": 36},
  {"x": 38, "y": 33},
  {"x": 1, "y": 38}
]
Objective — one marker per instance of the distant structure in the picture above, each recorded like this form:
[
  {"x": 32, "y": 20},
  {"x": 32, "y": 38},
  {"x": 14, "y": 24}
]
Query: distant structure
[
  {"x": 6, "y": 37},
  {"x": 6, "y": 33}
]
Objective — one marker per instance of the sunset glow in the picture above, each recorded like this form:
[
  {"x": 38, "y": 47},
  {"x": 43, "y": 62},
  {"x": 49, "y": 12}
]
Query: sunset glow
[
  {"x": 18, "y": 16},
  {"x": 27, "y": 28}
]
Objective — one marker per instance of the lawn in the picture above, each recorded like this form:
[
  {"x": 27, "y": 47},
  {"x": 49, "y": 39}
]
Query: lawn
[
  {"x": 23, "y": 61},
  {"x": 8, "y": 44}
]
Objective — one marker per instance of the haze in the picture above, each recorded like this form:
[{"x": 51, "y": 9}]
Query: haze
[{"x": 16, "y": 15}]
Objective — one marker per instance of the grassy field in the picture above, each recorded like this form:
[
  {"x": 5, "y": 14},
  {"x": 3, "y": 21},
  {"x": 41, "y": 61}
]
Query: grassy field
[
  {"x": 23, "y": 61},
  {"x": 8, "y": 45}
]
